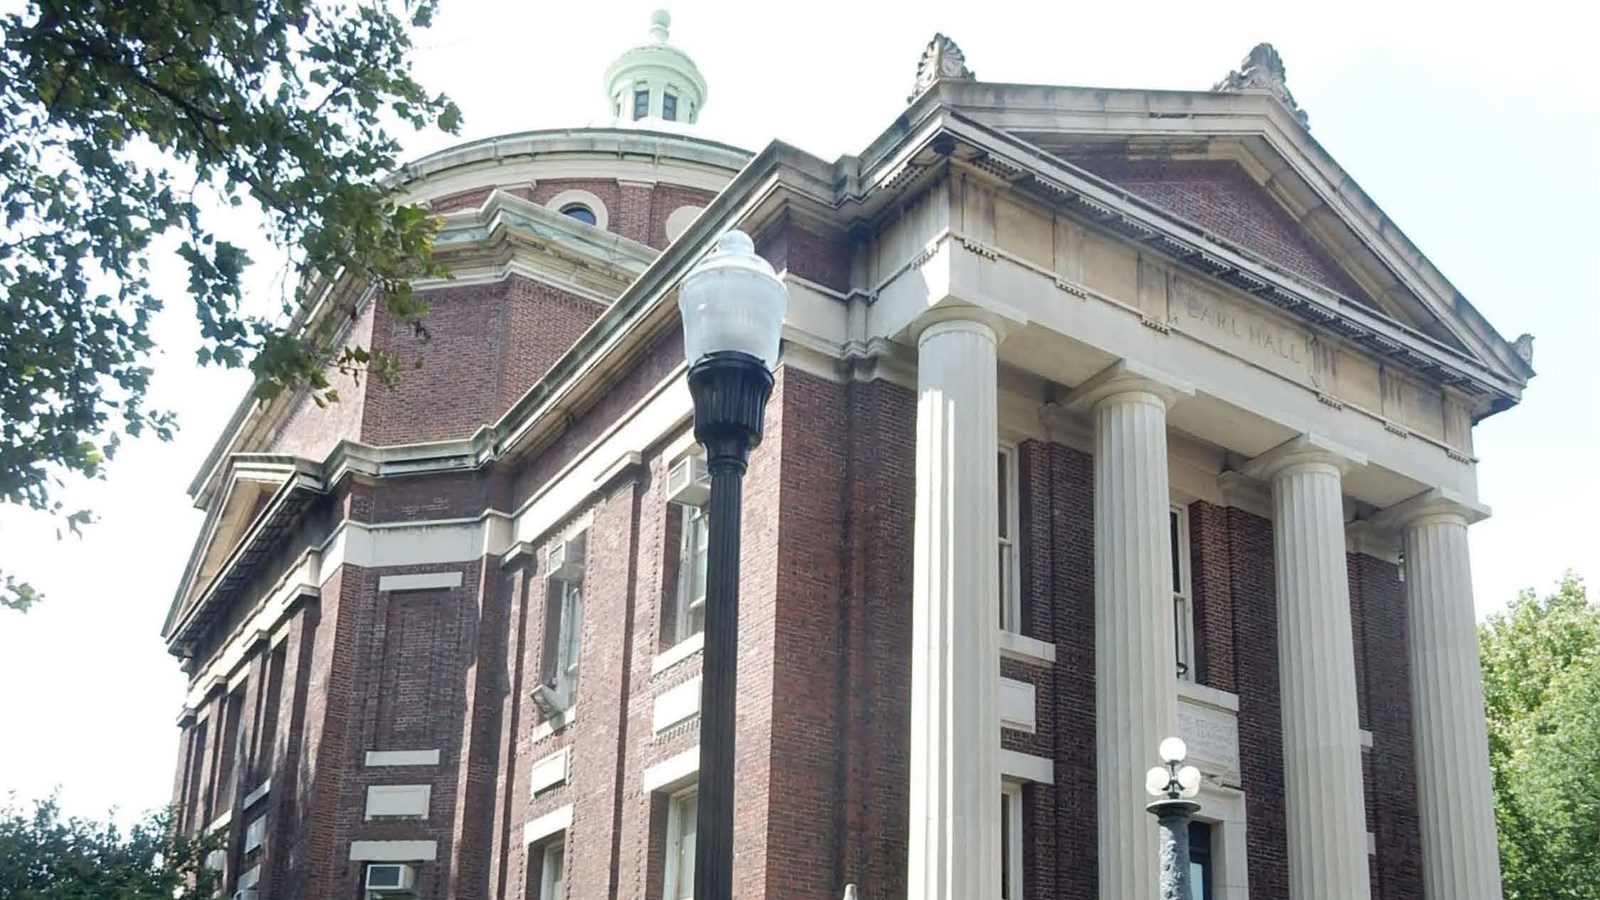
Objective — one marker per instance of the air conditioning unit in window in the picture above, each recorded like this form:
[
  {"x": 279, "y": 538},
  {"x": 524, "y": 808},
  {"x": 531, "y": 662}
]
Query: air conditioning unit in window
[
  {"x": 565, "y": 558},
  {"x": 553, "y": 698},
  {"x": 390, "y": 878},
  {"x": 689, "y": 482}
]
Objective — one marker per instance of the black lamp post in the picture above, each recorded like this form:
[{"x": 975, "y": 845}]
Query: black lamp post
[
  {"x": 732, "y": 305},
  {"x": 1174, "y": 786}
]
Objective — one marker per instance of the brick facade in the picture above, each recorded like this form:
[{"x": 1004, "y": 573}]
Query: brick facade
[
  {"x": 824, "y": 676},
  {"x": 825, "y": 616}
]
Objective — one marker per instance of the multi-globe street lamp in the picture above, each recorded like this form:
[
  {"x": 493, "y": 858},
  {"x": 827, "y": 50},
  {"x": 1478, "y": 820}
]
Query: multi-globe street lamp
[
  {"x": 1174, "y": 786},
  {"x": 732, "y": 305}
]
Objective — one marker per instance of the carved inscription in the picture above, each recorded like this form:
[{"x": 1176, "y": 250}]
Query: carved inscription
[
  {"x": 1212, "y": 319},
  {"x": 1213, "y": 738}
]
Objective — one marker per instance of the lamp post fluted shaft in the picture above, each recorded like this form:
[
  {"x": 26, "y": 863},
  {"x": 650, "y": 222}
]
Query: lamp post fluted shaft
[{"x": 730, "y": 393}]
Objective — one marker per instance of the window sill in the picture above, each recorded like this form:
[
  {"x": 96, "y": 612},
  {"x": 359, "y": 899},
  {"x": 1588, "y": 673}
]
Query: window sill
[
  {"x": 1208, "y": 696},
  {"x": 677, "y": 653},
  {"x": 553, "y": 724},
  {"x": 255, "y": 796},
  {"x": 1026, "y": 649},
  {"x": 220, "y": 822}
]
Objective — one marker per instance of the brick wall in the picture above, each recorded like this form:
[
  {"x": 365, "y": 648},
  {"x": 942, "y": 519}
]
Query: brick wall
[
  {"x": 1212, "y": 588},
  {"x": 311, "y": 431},
  {"x": 485, "y": 345},
  {"x": 807, "y": 254},
  {"x": 1392, "y": 793},
  {"x": 1056, "y": 494},
  {"x": 874, "y": 675},
  {"x": 1248, "y": 541}
]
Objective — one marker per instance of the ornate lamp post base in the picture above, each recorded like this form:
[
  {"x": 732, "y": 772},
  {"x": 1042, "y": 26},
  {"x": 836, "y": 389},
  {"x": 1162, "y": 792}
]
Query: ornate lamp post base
[{"x": 1173, "y": 817}]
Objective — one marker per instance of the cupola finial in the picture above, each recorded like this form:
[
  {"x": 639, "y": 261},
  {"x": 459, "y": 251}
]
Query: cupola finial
[{"x": 655, "y": 83}]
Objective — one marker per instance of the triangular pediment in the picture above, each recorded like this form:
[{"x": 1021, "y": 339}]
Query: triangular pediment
[
  {"x": 1241, "y": 172},
  {"x": 1220, "y": 196},
  {"x": 251, "y": 487}
]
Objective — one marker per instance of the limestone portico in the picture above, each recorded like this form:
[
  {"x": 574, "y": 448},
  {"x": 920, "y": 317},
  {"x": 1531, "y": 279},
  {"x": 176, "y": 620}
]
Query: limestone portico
[{"x": 1141, "y": 328}]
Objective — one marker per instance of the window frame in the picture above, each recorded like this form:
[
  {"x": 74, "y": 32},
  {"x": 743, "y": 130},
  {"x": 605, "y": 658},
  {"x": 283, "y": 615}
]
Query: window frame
[
  {"x": 1182, "y": 591},
  {"x": 553, "y": 888},
  {"x": 672, "y": 870},
  {"x": 1008, "y": 495},
  {"x": 641, "y": 93},
  {"x": 1205, "y": 887},
  {"x": 569, "y": 642},
  {"x": 694, "y": 524},
  {"x": 567, "y": 209},
  {"x": 669, "y": 106},
  {"x": 1011, "y": 841}
]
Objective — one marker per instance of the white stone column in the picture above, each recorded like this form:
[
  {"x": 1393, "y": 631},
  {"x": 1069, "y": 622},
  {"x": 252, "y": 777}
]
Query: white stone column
[
  {"x": 1460, "y": 852},
  {"x": 1136, "y": 701},
  {"x": 955, "y": 652},
  {"x": 1324, "y": 797}
]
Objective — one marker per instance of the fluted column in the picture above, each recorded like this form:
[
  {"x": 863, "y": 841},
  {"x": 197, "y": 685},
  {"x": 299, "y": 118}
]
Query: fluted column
[
  {"x": 1460, "y": 852},
  {"x": 1136, "y": 702},
  {"x": 955, "y": 653},
  {"x": 1324, "y": 798}
]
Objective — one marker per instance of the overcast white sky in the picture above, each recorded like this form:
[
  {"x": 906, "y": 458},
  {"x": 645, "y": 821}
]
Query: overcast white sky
[{"x": 1480, "y": 136}]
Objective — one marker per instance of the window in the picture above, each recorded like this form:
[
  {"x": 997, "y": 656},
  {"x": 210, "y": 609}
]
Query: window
[
  {"x": 580, "y": 212},
  {"x": 1010, "y": 590},
  {"x": 553, "y": 871},
  {"x": 1200, "y": 868},
  {"x": 232, "y": 750},
  {"x": 562, "y": 644},
  {"x": 641, "y": 103},
  {"x": 271, "y": 707},
  {"x": 571, "y": 630},
  {"x": 669, "y": 107},
  {"x": 192, "y": 812},
  {"x": 682, "y": 814},
  {"x": 1011, "y": 841},
  {"x": 691, "y": 616},
  {"x": 1182, "y": 607}
]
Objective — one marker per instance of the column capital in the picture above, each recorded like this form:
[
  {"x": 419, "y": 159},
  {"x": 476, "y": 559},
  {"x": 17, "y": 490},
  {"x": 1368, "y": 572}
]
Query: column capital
[
  {"x": 1432, "y": 503},
  {"x": 999, "y": 321},
  {"x": 1361, "y": 536},
  {"x": 1303, "y": 450},
  {"x": 1126, "y": 377},
  {"x": 1245, "y": 493},
  {"x": 1065, "y": 425}
]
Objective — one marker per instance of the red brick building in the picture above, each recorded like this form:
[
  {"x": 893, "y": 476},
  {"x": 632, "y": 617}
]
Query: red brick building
[{"x": 1102, "y": 415}]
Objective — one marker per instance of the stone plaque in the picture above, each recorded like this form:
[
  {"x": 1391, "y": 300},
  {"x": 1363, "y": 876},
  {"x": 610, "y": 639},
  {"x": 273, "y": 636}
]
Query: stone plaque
[{"x": 1213, "y": 738}]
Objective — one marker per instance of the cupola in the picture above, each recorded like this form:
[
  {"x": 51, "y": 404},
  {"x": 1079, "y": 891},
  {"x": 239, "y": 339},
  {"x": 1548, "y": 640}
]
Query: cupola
[{"x": 655, "y": 82}]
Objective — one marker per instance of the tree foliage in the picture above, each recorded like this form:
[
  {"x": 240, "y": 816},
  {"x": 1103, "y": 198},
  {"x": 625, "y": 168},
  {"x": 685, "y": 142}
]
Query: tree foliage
[
  {"x": 46, "y": 857},
  {"x": 122, "y": 122},
  {"x": 1541, "y": 678}
]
